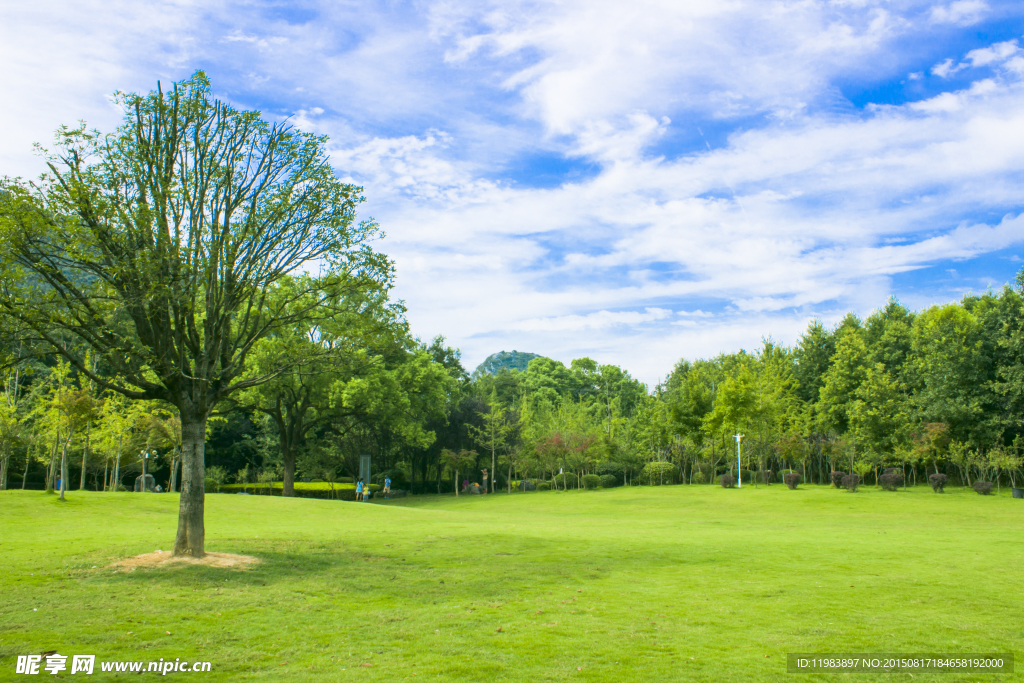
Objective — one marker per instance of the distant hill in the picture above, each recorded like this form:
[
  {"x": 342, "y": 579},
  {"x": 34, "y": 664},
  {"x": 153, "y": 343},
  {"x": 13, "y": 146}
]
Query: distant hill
[{"x": 510, "y": 360}]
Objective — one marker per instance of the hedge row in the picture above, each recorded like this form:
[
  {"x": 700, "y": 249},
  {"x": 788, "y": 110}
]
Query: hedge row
[{"x": 302, "y": 489}]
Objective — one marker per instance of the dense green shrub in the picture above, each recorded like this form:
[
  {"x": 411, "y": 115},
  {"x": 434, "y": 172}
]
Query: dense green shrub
[
  {"x": 938, "y": 482},
  {"x": 566, "y": 480},
  {"x": 983, "y": 487},
  {"x": 837, "y": 478},
  {"x": 543, "y": 485},
  {"x": 656, "y": 473},
  {"x": 614, "y": 469},
  {"x": 698, "y": 478},
  {"x": 591, "y": 481},
  {"x": 609, "y": 481},
  {"x": 210, "y": 486},
  {"x": 851, "y": 482},
  {"x": 791, "y": 479},
  {"x": 727, "y": 481}
]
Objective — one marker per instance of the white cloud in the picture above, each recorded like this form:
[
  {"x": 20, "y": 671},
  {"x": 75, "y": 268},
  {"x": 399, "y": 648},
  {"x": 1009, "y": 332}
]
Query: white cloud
[
  {"x": 996, "y": 53},
  {"x": 596, "y": 61},
  {"x": 945, "y": 68},
  {"x": 962, "y": 12},
  {"x": 592, "y": 321},
  {"x": 1006, "y": 54}
]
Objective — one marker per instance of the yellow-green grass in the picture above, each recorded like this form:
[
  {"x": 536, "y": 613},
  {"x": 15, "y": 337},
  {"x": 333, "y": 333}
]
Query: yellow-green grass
[{"x": 689, "y": 583}]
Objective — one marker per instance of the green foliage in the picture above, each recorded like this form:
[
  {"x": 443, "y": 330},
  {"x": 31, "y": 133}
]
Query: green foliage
[
  {"x": 657, "y": 473},
  {"x": 566, "y": 480},
  {"x": 591, "y": 481},
  {"x": 543, "y": 485},
  {"x": 216, "y": 476},
  {"x": 608, "y": 481}
]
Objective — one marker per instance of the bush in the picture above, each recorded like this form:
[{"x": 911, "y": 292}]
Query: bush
[
  {"x": 656, "y": 473},
  {"x": 706, "y": 470},
  {"x": 983, "y": 487},
  {"x": 837, "y": 479},
  {"x": 566, "y": 480},
  {"x": 698, "y": 478},
  {"x": 609, "y": 481},
  {"x": 851, "y": 482},
  {"x": 614, "y": 469},
  {"x": 727, "y": 480},
  {"x": 210, "y": 486},
  {"x": 591, "y": 481},
  {"x": 543, "y": 485},
  {"x": 791, "y": 479},
  {"x": 890, "y": 481},
  {"x": 938, "y": 482}
]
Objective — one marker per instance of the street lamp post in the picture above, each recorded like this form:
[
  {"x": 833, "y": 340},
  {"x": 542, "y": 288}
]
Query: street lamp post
[{"x": 739, "y": 464}]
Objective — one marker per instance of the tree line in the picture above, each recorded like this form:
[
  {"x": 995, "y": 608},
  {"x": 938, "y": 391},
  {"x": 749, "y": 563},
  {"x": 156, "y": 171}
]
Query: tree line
[{"x": 193, "y": 294}]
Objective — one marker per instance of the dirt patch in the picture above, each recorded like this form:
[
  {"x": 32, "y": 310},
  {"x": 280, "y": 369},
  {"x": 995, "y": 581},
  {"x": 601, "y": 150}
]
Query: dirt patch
[{"x": 162, "y": 558}]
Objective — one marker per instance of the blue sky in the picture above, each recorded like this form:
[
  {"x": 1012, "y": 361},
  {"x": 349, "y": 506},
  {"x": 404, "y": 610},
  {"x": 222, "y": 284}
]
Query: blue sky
[{"x": 637, "y": 182}]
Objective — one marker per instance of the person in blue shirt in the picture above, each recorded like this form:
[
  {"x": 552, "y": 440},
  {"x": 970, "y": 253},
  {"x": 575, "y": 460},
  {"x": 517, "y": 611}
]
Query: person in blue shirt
[
  {"x": 359, "y": 490},
  {"x": 387, "y": 487}
]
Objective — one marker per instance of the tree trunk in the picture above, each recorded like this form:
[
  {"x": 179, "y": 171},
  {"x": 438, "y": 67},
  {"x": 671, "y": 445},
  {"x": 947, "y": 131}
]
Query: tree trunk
[
  {"x": 85, "y": 460},
  {"x": 510, "y": 477},
  {"x": 106, "y": 472},
  {"x": 288, "y": 484},
  {"x": 3, "y": 472},
  {"x": 456, "y": 484},
  {"x": 24, "y": 475},
  {"x": 64, "y": 466},
  {"x": 51, "y": 470},
  {"x": 494, "y": 467},
  {"x": 117, "y": 467},
  {"x": 191, "y": 536}
]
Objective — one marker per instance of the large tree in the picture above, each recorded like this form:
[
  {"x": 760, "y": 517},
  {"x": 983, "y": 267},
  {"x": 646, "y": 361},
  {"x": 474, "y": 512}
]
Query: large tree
[
  {"x": 157, "y": 247},
  {"x": 351, "y": 344}
]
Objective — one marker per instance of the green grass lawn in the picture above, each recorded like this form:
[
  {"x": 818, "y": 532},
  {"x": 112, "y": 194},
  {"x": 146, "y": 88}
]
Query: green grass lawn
[{"x": 640, "y": 584}]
